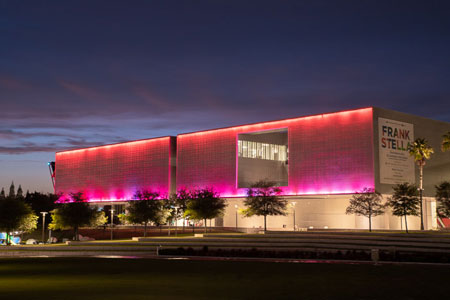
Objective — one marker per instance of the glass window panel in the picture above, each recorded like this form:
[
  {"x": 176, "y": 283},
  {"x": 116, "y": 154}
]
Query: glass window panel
[
  {"x": 251, "y": 149},
  {"x": 244, "y": 148},
  {"x": 239, "y": 148}
]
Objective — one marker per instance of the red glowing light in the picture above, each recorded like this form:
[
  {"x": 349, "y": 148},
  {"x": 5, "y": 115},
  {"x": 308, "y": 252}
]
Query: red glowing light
[
  {"x": 115, "y": 172},
  {"x": 328, "y": 154}
]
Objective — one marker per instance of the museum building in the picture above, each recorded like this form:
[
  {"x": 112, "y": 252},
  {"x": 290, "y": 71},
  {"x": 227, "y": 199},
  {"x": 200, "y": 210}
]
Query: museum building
[{"x": 318, "y": 161}]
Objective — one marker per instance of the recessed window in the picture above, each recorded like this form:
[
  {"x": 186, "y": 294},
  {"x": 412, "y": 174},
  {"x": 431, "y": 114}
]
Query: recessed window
[{"x": 263, "y": 155}]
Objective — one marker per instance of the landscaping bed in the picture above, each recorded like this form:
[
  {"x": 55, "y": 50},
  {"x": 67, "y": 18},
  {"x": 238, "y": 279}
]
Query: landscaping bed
[{"x": 399, "y": 256}]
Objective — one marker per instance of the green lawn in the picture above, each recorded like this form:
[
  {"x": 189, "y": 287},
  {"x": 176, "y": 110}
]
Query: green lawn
[{"x": 96, "y": 278}]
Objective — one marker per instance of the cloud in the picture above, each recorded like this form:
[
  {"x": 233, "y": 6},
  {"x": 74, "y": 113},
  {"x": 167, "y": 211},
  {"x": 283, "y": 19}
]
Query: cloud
[
  {"x": 152, "y": 98},
  {"x": 13, "y": 134},
  {"x": 30, "y": 147},
  {"x": 11, "y": 83},
  {"x": 85, "y": 92},
  {"x": 25, "y": 149}
]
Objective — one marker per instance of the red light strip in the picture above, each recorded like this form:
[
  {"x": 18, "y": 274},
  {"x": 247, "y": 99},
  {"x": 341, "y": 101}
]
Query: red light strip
[
  {"x": 283, "y": 125},
  {"x": 130, "y": 143}
]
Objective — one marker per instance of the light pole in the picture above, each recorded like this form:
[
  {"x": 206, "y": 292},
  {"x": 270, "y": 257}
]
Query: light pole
[
  {"x": 43, "y": 225},
  {"x": 112, "y": 218},
  {"x": 176, "y": 221},
  {"x": 293, "y": 208},
  {"x": 236, "y": 207}
]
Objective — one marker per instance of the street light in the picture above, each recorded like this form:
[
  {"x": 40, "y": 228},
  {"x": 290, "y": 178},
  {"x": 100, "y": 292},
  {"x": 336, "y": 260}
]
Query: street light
[
  {"x": 236, "y": 207},
  {"x": 43, "y": 225},
  {"x": 176, "y": 221},
  {"x": 293, "y": 208},
  {"x": 112, "y": 218}
]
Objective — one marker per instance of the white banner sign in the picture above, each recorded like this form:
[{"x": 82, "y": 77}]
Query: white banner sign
[{"x": 396, "y": 165}]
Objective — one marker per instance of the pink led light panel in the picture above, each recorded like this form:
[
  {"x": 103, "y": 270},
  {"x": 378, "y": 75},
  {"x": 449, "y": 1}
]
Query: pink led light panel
[
  {"x": 115, "y": 172},
  {"x": 328, "y": 154}
]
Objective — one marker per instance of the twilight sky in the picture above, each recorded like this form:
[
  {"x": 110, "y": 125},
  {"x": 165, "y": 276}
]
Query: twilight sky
[{"x": 83, "y": 73}]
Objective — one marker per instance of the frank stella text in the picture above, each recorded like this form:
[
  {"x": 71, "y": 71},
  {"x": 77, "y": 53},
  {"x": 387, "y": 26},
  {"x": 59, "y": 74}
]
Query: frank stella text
[{"x": 395, "y": 138}]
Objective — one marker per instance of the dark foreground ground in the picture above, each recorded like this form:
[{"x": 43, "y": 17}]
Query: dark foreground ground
[{"x": 100, "y": 278}]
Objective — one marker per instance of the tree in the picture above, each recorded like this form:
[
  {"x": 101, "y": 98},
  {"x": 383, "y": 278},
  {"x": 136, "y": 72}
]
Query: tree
[
  {"x": 29, "y": 223},
  {"x": 40, "y": 202},
  {"x": 205, "y": 205},
  {"x": 446, "y": 142},
  {"x": 107, "y": 212},
  {"x": 146, "y": 208},
  {"x": 443, "y": 199},
  {"x": 12, "y": 190},
  {"x": 19, "y": 192},
  {"x": 99, "y": 219},
  {"x": 180, "y": 200},
  {"x": 15, "y": 214},
  {"x": 169, "y": 211},
  {"x": 123, "y": 218},
  {"x": 404, "y": 202},
  {"x": 421, "y": 151},
  {"x": 164, "y": 213},
  {"x": 367, "y": 203},
  {"x": 74, "y": 214},
  {"x": 263, "y": 200}
]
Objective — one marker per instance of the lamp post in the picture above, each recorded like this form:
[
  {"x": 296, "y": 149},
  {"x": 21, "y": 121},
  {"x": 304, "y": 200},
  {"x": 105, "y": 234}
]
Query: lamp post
[
  {"x": 43, "y": 225},
  {"x": 236, "y": 207},
  {"x": 112, "y": 218},
  {"x": 176, "y": 221},
  {"x": 293, "y": 208}
]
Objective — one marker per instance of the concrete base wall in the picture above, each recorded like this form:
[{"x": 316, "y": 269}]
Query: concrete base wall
[
  {"x": 320, "y": 212},
  {"x": 326, "y": 212}
]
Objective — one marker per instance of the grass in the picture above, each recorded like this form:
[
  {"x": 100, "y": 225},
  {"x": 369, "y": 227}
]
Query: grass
[{"x": 96, "y": 278}]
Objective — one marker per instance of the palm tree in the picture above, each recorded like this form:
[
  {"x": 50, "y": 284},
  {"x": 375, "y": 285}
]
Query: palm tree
[
  {"x": 446, "y": 142},
  {"x": 421, "y": 151}
]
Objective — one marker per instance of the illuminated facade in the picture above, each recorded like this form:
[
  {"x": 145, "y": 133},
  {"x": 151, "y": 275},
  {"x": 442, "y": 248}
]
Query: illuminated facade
[
  {"x": 328, "y": 154},
  {"x": 318, "y": 161},
  {"x": 115, "y": 172}
]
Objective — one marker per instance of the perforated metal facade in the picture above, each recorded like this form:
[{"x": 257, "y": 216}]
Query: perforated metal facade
[
  {"x": 116, "y": 172},
  {"x": 328, "y": 154}
]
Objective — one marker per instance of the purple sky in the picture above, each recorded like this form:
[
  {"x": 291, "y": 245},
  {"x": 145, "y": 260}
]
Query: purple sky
[{"x": 82, "y": 73}]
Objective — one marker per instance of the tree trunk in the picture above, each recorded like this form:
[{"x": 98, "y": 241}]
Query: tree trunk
[
  {"x": 145, "y": 229},
  {"x": 206, "y": 226},
  {"x": 370, "y": 223},
  {"x": 265, "y": 224},
  {"x": 420, "y": 195},
  {"x": 184, "y": 222},
  {"x": 406, "y": 224},
  {"x": 76, "y": 233},
  {"x": 193, "y": 226}
]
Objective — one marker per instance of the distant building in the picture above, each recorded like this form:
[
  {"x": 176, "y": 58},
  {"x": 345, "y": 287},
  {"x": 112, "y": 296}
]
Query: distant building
[{"x": 319, "y": 161}]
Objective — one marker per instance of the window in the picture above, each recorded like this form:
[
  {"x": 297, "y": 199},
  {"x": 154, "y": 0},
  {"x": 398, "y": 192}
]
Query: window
[
  {"x": 259, "y": 150},
  {"x": 263, "y": 155}
]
